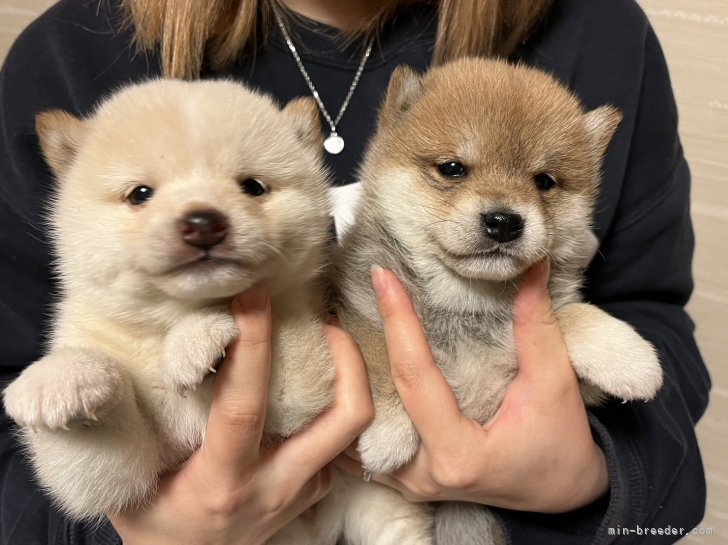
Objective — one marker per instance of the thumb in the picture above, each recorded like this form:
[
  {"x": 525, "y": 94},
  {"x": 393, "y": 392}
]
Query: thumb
[{"x": 539, "y": 343}]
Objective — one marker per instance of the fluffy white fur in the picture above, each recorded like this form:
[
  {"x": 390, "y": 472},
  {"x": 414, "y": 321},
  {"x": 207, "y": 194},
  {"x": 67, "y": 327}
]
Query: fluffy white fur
[
  {"x": 124, "y": 391},
  {"x": 506, "y": 125}
]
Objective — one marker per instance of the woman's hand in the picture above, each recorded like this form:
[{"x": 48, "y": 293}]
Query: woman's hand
[
  {"x": 536, "y": 454},
  {"x": 231, "y": 491}
]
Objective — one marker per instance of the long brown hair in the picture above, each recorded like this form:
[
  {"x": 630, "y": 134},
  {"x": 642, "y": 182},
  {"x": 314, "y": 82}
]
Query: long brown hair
[{"x": 186, "y": 30}]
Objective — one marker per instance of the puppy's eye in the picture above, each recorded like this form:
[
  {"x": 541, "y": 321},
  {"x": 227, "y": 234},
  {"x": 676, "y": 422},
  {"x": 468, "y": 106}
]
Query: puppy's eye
[
  {"x": 452, "y": 169},
  {"x": 140, "y": 194},
  {"x": 544, "y": 182},
  {"x": 252, "y": 187}
]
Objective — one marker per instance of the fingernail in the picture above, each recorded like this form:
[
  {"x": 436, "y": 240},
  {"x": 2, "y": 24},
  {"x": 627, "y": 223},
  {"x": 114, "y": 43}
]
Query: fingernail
[
  {"x": 379, "y": 280},
  {"x": 255, "y": 298}
]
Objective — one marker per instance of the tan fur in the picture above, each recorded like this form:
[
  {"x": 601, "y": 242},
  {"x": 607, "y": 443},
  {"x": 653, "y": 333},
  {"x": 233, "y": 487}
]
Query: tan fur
[
  {"x": 124, "y": 391},
  {"x": 506, "y": 124}
]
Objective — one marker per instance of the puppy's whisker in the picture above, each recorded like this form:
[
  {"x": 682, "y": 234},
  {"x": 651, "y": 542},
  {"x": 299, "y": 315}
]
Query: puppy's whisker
[
  {"x": 431, "y": 211},
  {"x": 441, "y": 221},
  {"x": 448, "y": 203},
  {"x": 505, "y": 286},
  {"x": 443, "y": 201},
  {"x": 276, "y": 251}
]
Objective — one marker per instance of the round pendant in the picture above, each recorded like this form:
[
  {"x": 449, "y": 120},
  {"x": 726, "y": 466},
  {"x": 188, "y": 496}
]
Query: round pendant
[{"x": 334, "y": 144}]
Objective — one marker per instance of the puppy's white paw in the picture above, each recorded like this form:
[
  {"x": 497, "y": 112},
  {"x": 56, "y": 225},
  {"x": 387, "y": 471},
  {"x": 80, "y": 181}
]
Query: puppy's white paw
[
  {"x": 68, "y": 386},
  {"x": 609, "y": 354},
  {"x": 389, "y": 443},
  {"x": 632, "y": 372},
  {"x": 194, "y": 347}
]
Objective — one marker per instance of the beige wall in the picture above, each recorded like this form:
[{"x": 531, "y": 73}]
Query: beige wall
[
  {"x": 14, "y": 16},
  {"x": 694, "y": 34}
]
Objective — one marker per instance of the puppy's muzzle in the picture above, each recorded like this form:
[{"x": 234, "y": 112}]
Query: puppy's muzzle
[
  {"x": 203, "y": 228},
  {"x": 502, "y": 226}
]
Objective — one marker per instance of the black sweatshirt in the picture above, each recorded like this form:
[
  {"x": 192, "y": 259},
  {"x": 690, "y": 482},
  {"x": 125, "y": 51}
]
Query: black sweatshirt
[{"x": 604, "y": 50}]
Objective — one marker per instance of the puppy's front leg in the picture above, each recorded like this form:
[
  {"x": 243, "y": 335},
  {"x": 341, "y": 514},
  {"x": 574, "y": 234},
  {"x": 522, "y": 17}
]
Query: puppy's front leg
[
  {"x": 89, "y": 444},
  {"x": 301, "y": 375},
  {"x": 607, "y": 353},
  {"x": 463, "y": 523},
  {"x": 377, "y": 515},
  {"x": 391, "y": 440},
  {"x": 194, "y": 346},
  {"x": 67, "y": 388}
]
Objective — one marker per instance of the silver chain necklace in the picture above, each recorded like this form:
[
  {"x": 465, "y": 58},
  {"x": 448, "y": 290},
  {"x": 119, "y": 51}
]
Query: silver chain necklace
[{"x": 333, "y": 144}]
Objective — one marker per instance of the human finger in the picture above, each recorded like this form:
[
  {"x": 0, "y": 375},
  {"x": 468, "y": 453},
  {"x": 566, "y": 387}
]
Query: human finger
[
  {"x": 536, "y": 332},
  {"x": 353, "y": 468},
  {"x": 350, "y": 414},
  {"x": 308, "y": 494},
  {"x": 352, "y": 453},
  {"x": 421, "y": 489},
  {"x": 237, "y": 415},
  {"x": 425, "y": 394}
]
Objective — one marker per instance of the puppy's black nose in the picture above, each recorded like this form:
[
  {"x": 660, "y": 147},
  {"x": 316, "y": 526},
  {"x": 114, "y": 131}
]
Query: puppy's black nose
[
  {"x": 502, "y": 226},
  {"x": 203, "y": 228}
]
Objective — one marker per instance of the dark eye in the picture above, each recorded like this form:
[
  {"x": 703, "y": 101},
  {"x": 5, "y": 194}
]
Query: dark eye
[
  {"x": 140, "y": 195},
  {"x": 544, "y": 182},
  {"x": 452, "y": 169},
  {"x": 252, "y": 187}
]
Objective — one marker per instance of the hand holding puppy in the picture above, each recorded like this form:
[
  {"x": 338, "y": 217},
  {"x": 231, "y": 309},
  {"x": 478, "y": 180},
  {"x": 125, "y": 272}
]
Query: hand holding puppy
[
  {"x": 536, "y": 454},
  {"x": 233, "y": 491}
]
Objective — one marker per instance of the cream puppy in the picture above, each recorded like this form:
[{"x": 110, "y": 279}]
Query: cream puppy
[
  {"x": 478, "y": 170},
  {"x": 172, "y": 198}
]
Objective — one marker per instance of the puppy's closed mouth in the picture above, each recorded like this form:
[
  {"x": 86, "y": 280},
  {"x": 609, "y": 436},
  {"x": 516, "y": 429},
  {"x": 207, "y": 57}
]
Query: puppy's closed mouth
[
  {"x": 206, "y": 261},
  {"x": 490, "y": 253},
  {"x": 496, "y": 263}
]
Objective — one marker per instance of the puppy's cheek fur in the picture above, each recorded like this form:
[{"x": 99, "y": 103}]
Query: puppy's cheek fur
[
  {"x": 537, "y": 238},
  {"x": 75, "y": 229},
  {"x": 153, "y": 242},
  {"x": 572, "y": 233},
  {"x": 394, "y": 190}
]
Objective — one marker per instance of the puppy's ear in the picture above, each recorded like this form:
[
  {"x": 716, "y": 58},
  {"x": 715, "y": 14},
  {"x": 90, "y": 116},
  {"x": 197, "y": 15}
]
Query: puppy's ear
[
  {"x": 405, "y": 87},
  {"x": 60, "y": 135},
  {"x": 601, "y": 125},
  {"x": 303, "y": 114}
]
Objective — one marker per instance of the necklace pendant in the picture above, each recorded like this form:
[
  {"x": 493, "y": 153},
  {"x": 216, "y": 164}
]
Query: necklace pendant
[{"x": 334, "y": 144}]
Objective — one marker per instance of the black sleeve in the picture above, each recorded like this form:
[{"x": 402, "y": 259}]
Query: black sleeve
[
  {"x": 645, "y": 279},
  {"x": 66, "y": 59},
  {"x": 642, "y": 275}
]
